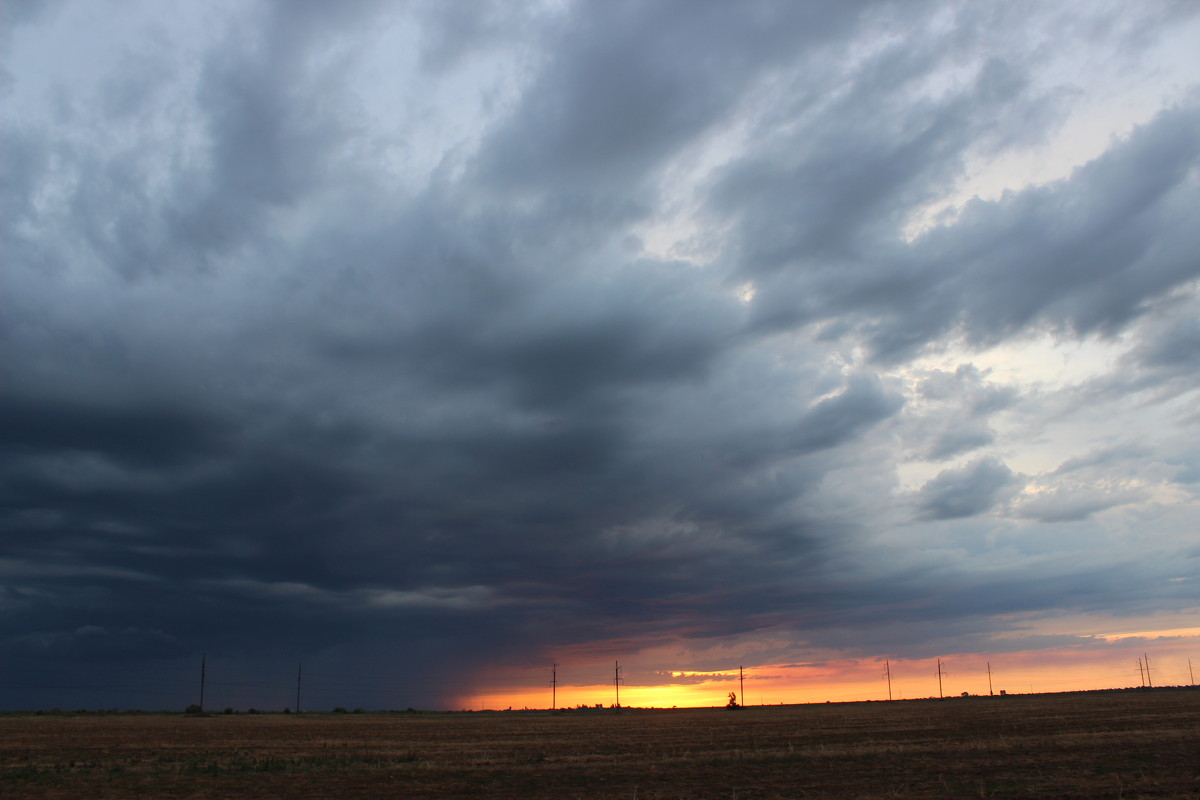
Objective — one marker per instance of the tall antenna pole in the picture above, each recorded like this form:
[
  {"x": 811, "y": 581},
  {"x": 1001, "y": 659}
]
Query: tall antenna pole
[
  {"x": 1149, "y": 682},
  {"x": 204, "y": 663},
  {"x": 554, "y": 687},
  {"x": 939, "y": 673},
  {"x": 299, "y": 667},
  {"x": 990, "y": 692},
  {"x": 741, "y": 686},
  {"x": 887, "y": 671},
  {"x": 617, "y": 681}
]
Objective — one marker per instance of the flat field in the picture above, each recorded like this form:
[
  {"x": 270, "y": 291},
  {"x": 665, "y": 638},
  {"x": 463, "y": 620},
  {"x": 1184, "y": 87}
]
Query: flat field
[{"x": 1119, "y": 745}]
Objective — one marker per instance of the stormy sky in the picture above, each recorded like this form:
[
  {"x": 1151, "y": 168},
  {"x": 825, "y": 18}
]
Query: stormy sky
[{"x": 418, "y": 341}]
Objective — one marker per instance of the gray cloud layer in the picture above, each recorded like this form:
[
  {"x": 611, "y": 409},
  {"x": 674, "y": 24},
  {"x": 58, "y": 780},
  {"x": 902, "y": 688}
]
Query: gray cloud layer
[{"x": 341, "y": 335}]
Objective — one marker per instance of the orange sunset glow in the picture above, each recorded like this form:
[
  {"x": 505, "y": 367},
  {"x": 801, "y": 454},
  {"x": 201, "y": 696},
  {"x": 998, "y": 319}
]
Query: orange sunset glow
[{"x": 1116, "y": 663}]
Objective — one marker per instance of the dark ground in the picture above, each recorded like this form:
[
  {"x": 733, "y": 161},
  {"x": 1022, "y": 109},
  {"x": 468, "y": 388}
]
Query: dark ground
[{"x": 1119, "y": 745}]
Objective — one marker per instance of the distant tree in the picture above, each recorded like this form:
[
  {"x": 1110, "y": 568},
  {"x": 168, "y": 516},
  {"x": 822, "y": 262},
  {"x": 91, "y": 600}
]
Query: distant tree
[{"x": 193, "y": 709}]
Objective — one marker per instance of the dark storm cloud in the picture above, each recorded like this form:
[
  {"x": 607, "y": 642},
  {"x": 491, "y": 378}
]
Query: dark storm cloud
[
  {"x": 964, "y": 492},
  {"x": 91, "y": 643},
  {"x": 1085, "y": 255},
  {"x": 1163, "y": 361},
  {"x": 820, "y": 205},
  {"x": 1109, "y": 238},
  {"x": 267, "y": 395},
  {"x": 1176, "y": 347},
  {"x": 147, "y": 436},
  {"x": 618, "y": 94}
]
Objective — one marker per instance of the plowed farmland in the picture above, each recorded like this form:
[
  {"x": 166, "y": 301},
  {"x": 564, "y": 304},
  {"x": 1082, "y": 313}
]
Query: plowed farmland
[{"x": 1119, "y": 745}]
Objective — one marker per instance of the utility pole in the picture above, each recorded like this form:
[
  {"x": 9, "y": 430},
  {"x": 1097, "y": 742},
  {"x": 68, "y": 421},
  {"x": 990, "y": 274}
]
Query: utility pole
[
  {"x": 617, "y": 681},
  {"x": 299, "y": 667},
  {"x": 1191, "y": 677},
  {"x": 887, "y": 672},
  {"x": 1149, "y": 683},
  {"x": 554, "y": 687},
  {"x": 204, "y": 663},
  {"x": 741, "y": 686},
  {"x": 1141, "y": 672},
  {"x": 939, "y": 674},
  {"x": 990, "y": 693}
]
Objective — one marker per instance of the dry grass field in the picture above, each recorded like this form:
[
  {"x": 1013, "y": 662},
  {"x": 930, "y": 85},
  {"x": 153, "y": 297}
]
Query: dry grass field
[{"x": 1118, "y": 745}]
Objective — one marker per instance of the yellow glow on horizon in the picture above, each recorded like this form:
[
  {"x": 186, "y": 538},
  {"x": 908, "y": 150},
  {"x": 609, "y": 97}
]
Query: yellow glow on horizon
[
  {"x": 1096, "y": 662},
  {"x": 1160, "y": 634},
  {"x": 707, "y": 693}
]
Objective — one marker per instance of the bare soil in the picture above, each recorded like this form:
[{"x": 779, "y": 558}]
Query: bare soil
[{"x": 1118, "y": 745}]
